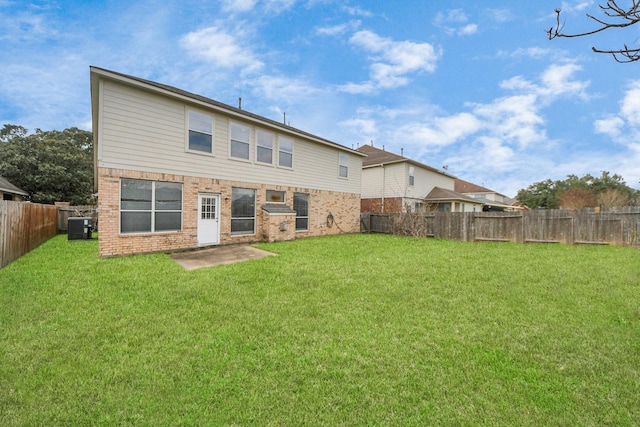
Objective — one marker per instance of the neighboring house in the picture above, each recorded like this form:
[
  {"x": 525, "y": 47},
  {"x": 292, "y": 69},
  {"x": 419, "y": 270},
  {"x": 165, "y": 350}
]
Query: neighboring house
[
  {"x": 393, "y": 183},
  {"x": 444, "y": 200},
  {"x": 10, "y": 191},
  {"x": 492, "y": 201},
  {"x": 175, "y": 170}
]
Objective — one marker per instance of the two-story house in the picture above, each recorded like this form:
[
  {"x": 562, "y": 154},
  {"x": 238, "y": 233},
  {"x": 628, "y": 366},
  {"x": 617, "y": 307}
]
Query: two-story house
[
  {"x": 394, "y": 183},
  {"x": 492, "y": 200},
  {"x": 176, "y": 170}
]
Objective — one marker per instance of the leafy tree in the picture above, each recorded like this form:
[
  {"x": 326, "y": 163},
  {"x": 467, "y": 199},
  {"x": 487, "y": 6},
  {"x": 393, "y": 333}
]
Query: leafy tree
[
  {"x": 50, "y": 165},
  {"x": 9, "y": 132},
  {"x": 541, "y": 194},
  {"x": 576, "y": 192},
  {"x": 616, "y": 17}
]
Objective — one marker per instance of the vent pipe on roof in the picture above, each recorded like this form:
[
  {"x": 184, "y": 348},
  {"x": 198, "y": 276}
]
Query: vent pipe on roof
[
  {"x": 402, "y": 151},
  {"x": 372, "y": 142},
  {"x": 284, "y": 118},
  {"x": 240, "y": 103}
]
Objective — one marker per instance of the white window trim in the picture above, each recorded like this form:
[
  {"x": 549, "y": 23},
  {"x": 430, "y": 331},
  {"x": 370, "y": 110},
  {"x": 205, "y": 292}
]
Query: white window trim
[
  {"x": 341, "y": 165},
  {"x": 281, "y": 151},
  {"x": 229, "y": 141},
  {"x": 188, "y": 128},
  {"x": 152, "y": 210},
  {"x": 272, "y": 148},
  {"x": 307, "y": 216},
  {"x": 284, "y": 196},
  {"x": 255, "y": 214}
]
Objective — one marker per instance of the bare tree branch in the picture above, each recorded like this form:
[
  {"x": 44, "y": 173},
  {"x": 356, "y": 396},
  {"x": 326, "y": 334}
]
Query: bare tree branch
[{"x": 625, "y": 17}]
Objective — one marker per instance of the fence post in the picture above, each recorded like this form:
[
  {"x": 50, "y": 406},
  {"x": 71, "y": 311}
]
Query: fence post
[{"x": 3, "y": 231}]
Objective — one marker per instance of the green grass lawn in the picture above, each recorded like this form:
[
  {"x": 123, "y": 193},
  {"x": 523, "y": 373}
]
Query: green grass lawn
[{"x": 347, "y": 330}]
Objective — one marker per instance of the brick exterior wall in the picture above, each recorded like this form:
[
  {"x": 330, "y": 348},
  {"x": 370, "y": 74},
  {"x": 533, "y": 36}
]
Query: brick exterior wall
[
  {"x": 345, "y": 208},
  {"x": 391, "y": 205}
]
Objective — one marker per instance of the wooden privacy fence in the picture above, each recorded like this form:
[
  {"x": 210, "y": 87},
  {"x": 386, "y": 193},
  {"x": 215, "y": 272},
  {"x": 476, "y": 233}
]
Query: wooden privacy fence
[
  {"x": 24, "y": 226},
  {"x": 586, "y": 226},
  {"x": 65, "y": 212}
]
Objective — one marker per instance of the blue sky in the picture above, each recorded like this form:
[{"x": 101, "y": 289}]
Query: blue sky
[{"x": 474, "y": 86}]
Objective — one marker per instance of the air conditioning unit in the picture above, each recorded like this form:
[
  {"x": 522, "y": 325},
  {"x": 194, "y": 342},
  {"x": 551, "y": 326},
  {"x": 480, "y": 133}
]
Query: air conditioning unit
[{"x": 79, "y": 228}]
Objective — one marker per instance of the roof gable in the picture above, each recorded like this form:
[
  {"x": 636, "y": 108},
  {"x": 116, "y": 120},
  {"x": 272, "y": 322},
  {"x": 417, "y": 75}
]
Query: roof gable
[
  {"x": 440, "y": 194},
  {"x": 376, "y": 156},
  {"x": 7, "y": 187},
  {"x": 462, "y": 186}
]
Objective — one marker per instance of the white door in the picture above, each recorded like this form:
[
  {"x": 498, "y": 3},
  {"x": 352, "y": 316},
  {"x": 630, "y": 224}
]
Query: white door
[{"x": 208, "y": 219}]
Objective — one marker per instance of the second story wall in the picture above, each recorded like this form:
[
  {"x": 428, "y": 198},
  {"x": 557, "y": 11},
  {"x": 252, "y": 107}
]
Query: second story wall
[
  {"x": 425, "y": 180},
  {"x": 384, "y": 181},
  {"x": 145, "y": 131}
]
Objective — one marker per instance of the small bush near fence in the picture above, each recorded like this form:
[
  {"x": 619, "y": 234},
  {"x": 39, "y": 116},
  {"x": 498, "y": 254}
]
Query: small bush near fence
[{"x": 620, "y": 226}]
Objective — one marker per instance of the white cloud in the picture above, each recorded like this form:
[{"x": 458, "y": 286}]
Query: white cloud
[
  {"x": 575, "y": 7},
  {"x": 530, "y": 52},
  {"x": 556, "y": 81},
  {"x": 630, "y": 105},
  {"x": 514, "y": 119},
  {"x": 452, "y": 15},
  {"x": 504, "y": 135},
  {"x": 238, "y": 5},
  {"x": 624, "y": 127},
  {"x": 468, "y": 30},
  {"x": 365, "y": 127},
  {"x": 455, "y": 21},
  {"x": 439, "y": 131},
  {"x": 357, "y": 11},
  {"x": 500, "y": 15},
  {"x": 223, "y": 48},
  {"x": 335, "y": 30},
  {"x": 611, "y": 126},
  {"x": 627, "y": 119},
  {"x": 393, "y": 61},
  {"x": 283, "y": 89},
  {"x": 279, "y": 6}
]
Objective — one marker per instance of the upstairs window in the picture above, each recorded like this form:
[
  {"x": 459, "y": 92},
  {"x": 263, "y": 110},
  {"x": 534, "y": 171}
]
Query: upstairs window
[
  {"x": 264, "y": 146},
  {"x": 285, "y": 152},
  {"x": 343, "y": 166},
  {"x": 240, "y": 141},
  {"x": 412, "y": 175},
  {"x": 200, "y": 132}
]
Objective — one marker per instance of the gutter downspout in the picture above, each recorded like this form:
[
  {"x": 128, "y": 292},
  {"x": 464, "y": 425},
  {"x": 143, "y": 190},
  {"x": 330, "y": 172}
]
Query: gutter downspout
[{"x": 384, "y": 181}]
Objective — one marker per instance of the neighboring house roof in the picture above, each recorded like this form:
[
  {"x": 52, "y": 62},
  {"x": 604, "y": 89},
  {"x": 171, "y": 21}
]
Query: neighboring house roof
[
  {"x": 179, "y": 93},
  {"x": 377, "y": 157},
  {"x": 489, "y": 202},
  {"x": 439, "y": 194},
  {"x": 7, "y": 187},
  {"x": 462, "y": 186}
]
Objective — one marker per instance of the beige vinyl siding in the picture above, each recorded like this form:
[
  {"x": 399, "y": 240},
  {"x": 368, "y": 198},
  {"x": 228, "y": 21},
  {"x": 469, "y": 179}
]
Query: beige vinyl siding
[
  {"x": 372, "y": 183},
  {"x": 425, "y": 180},
  {"x": 384, "y": 181},
  {"x": 396, "y": 180},
  {"x": 144, "y": 131}
]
